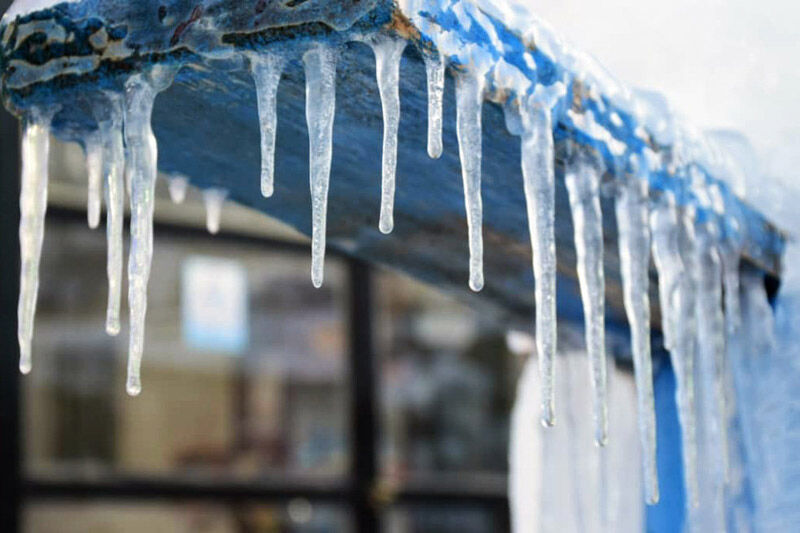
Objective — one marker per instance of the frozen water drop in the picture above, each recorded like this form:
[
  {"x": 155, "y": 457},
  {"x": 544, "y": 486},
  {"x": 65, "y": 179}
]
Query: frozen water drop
[
  {"x": 33, "y": 206},
  {"x": 632, "y": 213},
  {"x": 583, "y": 185},
  {"x": 434, "y": 71},
  {"x": 214, "y": 200},
  {"x": 388, "y": 53},
  {"x": 178, "y": 186},
  {"x": 267, "y": 68},
  {"x": 469, "y": 101},
  {"x": 538, "y": 162},
  {"x": 320, "y": 68},
  {"x": 94, "y": 168}
]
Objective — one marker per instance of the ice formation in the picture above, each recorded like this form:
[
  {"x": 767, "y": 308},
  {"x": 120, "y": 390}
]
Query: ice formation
[
  {"x": 94, "y": 169},
  {"x": 267, "y": 68},
  {"x": 538, "y": 172},
  {"x": 320, "y": 67},
  {"x": 112, "y": 136},
  {"x": 214, "y": 199},
  {"x": 677, "y": 323},
  {"x": 178, "y": 186},
  {"x": 583, "y": 184},
  {"x": 140, "y": 93},
  {"x": 541, "y": 88},
  {"x": 33, "y": 206},
  {"x": 469, "y": 103},
  {"x": 633, "y": 213},
  {"x": 388, "y": 52}
]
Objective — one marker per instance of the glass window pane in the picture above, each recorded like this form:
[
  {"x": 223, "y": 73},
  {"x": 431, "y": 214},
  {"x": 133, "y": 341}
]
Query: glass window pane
[
  {"x": 244, "y": 367},
  {"x": 299, "y": 516},
  {"x": 445, "y": 519},
  {"x": 447, "y": 383}
]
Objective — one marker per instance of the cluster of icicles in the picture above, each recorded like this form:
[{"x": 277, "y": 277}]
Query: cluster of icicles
[{"x": 692, "y": 261}]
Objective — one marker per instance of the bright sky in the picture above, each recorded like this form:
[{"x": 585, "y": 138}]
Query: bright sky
[{"x": 724, "y": 63}]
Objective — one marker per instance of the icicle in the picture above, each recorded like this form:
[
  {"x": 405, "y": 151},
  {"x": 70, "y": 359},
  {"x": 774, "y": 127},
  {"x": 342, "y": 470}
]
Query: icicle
[
  {"x": 320, "y": 68},
  {"x": 677, "y": 319},
  {"x": 140, "y": 93},
  {"x": 731, "y": 258},
  {"x": 114, "y": 169},
  {"x": 538, "y": 161},
  {"x": 583, "y": 184},
  {"x": 33, "y": 206},
  {"x": 94, "y": 168},
  {"x": 632, "y": 214},
  {"x": 434, "y": 69},
  {"x": 388, "y": 53},
  {"x": 267, "y": 68},
  {"x": 469, "y": 102},
  {"x": 178, "y": 185},
  {"x": 214, "y": 199},
  {"x": 711, "y": 336}
]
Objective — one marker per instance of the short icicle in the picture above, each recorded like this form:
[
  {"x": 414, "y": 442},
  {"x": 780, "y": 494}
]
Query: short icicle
[
  {"x": 94, "y": 169},
  {"x": 114, "y": 169},
  {"x": 632, "y": 213},
  {"x": 731, "y": 260},
  {"x": 434, "y": 70},
  {"x": 388, "y": 53},
  {"x": 140, "y": 93},
  {"x": 33, "y": 206},
  {"x": 320, "y": 68},
  {"x": 469, "y": 102},
  {"x": 267, "y": 68},
  {"x": 538, "y": 171},
  {"x": 678, "y": 325},
  {"x": 214, "y": 200},
  {"x": 178, "y": 186},
  {"x": 583, "y": 185}
]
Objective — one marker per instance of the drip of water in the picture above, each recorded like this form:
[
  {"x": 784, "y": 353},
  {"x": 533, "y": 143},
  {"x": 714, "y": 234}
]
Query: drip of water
[
  {"x": 94, "y": 168},
  {"x": 114, "y": 169},
  {"x": 538, "y": 172},
  {"x": 267, "y": 68},
  {"x": 434, "y": 70},
  {"x": 178, "y": 185},
  {"x": 33, "y": 206},
  {"x": 320, "y": 68},
  {"x": 140, "y": 93},
  {"x": 214, "y": 200},
  {"x": 583, "y": 185},
  {"x": 632, "y": 212},
  {"x": 677, "y": 318},
  {"x": 469, "y": 102},
  {"x": 388, "y": 53}
]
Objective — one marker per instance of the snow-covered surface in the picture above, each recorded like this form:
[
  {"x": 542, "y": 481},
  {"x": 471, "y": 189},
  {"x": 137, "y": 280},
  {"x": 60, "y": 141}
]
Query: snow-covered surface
[{"x": 23, "y": 7}]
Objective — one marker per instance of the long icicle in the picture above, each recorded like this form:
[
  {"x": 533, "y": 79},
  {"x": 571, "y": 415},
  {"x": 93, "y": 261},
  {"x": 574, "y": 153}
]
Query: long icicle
[
  {"x": 434, "y": 71},
  {"x": 33, "y": 206},
  {"x": 94, "y": 168},
  {"x": 538, "y": 172},
  {"x": 711, "y": 336},
  {"x": 633, "y": 214},
  {"x": 388, "y": 53},
  {"x": 677, "y": 318},
  {"x": 469, "y": 102},
  {"x": 114, "y": 168},
  {"x": 140, "y": 93},
  {"x": 267, "y": 68},
  {"x": 320, "y": 68},
  {"x": 583, "y": 185}
]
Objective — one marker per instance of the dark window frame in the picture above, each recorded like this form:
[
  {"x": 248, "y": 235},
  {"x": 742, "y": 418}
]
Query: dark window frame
[{"x": 363, "y": 492}]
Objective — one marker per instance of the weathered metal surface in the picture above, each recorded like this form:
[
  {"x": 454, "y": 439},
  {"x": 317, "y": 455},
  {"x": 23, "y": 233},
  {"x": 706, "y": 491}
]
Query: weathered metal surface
[{"x": 207, "y": 128}]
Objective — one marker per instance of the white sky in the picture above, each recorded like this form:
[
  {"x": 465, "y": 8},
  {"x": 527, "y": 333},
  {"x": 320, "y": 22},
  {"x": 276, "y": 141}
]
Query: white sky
[{"x": 722, "y": 63}]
